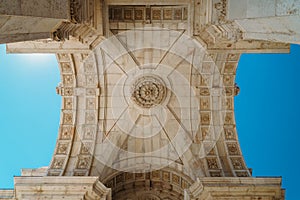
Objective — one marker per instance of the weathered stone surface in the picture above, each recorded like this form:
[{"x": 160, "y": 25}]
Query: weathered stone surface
[
  {"x": 279, "y": 29},
  {"x": 151, "y": 108},
  {"x": 267, "y": 20},
  {"x": 36, "y": 8},
  {"x": 57, "y": 188},
  {"x": 236, "y": 188},
  {"x": 48, "y": 46},
  {"x": 22, "y": 20}
]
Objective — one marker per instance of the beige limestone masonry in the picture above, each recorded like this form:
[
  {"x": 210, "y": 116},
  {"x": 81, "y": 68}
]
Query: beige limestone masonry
[{"x": 148, "y": 93}]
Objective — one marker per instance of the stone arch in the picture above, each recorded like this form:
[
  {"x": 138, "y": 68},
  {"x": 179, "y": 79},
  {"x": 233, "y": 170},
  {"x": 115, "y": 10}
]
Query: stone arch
[
  {"x": 166, "y": 183},
  {"x": 81, "y": 90}
]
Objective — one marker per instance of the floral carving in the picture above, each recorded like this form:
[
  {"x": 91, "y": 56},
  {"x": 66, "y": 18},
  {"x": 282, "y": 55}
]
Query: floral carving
[
  {"x": 232, "y": 149},
  {"x": 205, "y": 118},
  {"x": 90, "y": 118},
  {"x": 68, "y": 80},
  {"x": 148, "y": 91},
  {"x": 89, "y": 133},
  {"x": 58, "y": 163},
  {"x": 68, "y": 118},
  {"x": 212, "y": 163},
  {"x": 83, "y": 163},
  {"x": 90, "y": 103},
  {"x": 86, "y": 148},
  {"x": 66, "y": 68},
  {"x": 237, "y": 163},
  {"x": 221, "y": 10},
  {"x": 68, "y": 103},
  {"x": 229, "y": 133},
  {"x": 75, "y": 10},
  {"x": 175, "y": 179},
  {"x": 62, "y": 148},
  {"x": 229, "y": 118},
  {"x": 66, "y": 133},
  {"x": 204, "y": 103}
]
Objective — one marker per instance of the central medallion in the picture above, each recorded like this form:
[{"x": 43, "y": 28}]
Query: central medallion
[{"x": 148, "y": 91}]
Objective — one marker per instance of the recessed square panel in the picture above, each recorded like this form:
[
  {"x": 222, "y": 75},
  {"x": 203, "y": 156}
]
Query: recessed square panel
[
  {"x": 118, "y": 14},
  {"x": 156, "y": 14},
  {"x": 139, "y": 14},
  {"x": 168, "y": 14},
  {"x": 128, "y": 14},
  {"x": 178, "y": 14}
]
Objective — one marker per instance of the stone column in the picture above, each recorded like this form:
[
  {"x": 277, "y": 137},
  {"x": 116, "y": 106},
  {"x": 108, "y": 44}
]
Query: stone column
[
  {"x": 271, "y": 20},
  {"x": 22, "y": 20}
]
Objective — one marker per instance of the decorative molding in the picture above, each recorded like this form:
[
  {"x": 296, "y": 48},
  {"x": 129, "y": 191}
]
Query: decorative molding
[
  {"x": 88, "y": 188},
  {"x": 233, "y": 149},
  {"x": 147, "y": 13},
  {"x": 235, "y": 188},
  {"x": 212, "y": 163},
  {"x": 83, "y": 100},
  {"x": 82, "y": 11},
  {"x": 148, "y": 91},
  {"x": 165, "y": 182},
  {"x": 124, "y": 17},
  {"x": 220, "y": 10}
]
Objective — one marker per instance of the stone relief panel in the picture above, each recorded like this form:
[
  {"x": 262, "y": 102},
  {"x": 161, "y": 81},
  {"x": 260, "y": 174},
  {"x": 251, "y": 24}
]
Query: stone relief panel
[
  {"x": 66, "y": 132},
  {"x": 219, "y": 10},
  {"x": 68, "y": 103},
  {"x": 147, "y": 95},
  {"x": 82, "y": 11},
  {"x": 164, "y": 16},
  {"x": 89, "y": 132},
  {"x": 212, "y": 163},
  {"x": 68, "y": 115},
  {"x": 148, "y": 91},
  {"x": 150, "y": 101},
  {"x": 87, "y": 115},
  {"x": 164, "y": 184},
  {"x": 68, "y": 118},
  {"x": 62, "y": 148},
  {"x": 92, "y": 93},
  {"x": 58, "y": 163},
  {"x": 151, "y": 13}
]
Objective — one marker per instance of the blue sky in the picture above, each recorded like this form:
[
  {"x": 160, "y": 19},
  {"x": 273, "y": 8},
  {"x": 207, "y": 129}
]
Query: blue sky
[
  {"x": 266, "y": 109},
  {"x": 267, "y": 115},
  {"x": 29, "y": 112}
]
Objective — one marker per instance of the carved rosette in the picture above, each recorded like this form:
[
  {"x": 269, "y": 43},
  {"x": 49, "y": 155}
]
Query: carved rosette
[
  {"x": 148, "y": 91},
  {"x": 145, "y": 90}
]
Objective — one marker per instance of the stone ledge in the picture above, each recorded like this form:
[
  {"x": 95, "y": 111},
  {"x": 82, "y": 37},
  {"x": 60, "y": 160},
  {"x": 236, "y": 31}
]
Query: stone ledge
[
  {"x": 57, "y": 188},
  {"x": 236, "y": 188}
]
